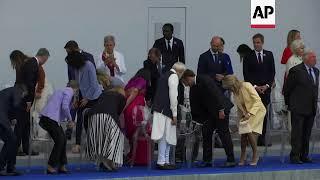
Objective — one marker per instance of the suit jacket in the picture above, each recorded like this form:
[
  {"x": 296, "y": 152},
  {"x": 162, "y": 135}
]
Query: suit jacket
[
  {"x": 28, "y": 75},
  {"x": 259, "y": 74},
  {"x": 155, "y": 75},
  {"x": 168, "y": 59},
  {"x": 207, "y": 66},
  {"x": 301, "y": 95},
  {"x": 206, "y": 99},
  {"x": 10, "y": 99}
]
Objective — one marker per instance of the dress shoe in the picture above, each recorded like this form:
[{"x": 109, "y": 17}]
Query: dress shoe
[
  {"x": 33, "y": 153},
  {"x": 170, "y": 166},
  {"x": 204, "y": 165},
  {"x": 264, "y": 144},
  {"x": 230, "y": 164},
  {"x": 165, "y": 167},
  {"x": 13, "y": 173},
  {"x": 306, "y": 160},
  {"x": 21, "y": 153},
  {"x": 295, "y": 161},
  {"x": 3, "y": 172}
]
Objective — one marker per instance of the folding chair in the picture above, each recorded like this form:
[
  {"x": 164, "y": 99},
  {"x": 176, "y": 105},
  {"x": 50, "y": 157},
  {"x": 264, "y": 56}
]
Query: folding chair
[{"x": 282, "y": 130}]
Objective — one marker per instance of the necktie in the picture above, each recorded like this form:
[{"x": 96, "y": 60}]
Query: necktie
[
  {"x": 310, "y": 74},
  {"x": 216, "y": 58},
  {"x": 169, "y": 47},
  {"x": 259, "y": 58}
]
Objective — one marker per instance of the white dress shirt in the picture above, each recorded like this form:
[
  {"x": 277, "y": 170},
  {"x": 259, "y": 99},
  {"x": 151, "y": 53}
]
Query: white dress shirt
[
  {"x": 171, "y": 42},
  {"x": 173, "y": 82},
  {"x": 119, "y": 61},
  {"x": 261, "y": 54}
]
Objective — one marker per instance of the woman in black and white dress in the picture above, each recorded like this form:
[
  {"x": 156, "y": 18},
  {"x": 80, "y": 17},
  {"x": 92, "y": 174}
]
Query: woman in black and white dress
[{"x": 105, "y": 141}]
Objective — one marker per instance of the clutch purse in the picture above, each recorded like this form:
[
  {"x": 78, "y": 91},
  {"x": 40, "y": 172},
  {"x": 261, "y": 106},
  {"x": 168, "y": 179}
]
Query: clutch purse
[{"x": 244, "y": 127}]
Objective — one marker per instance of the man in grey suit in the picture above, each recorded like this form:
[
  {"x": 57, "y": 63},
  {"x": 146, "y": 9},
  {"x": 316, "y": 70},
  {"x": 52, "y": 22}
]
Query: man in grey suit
[
  {"x": 10, "y": 99},
  {"x": 301, "y": 96}
]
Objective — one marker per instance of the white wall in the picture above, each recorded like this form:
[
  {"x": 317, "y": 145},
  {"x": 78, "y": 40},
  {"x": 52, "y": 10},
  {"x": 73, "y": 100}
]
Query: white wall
[{"x": 29, "y": 25}]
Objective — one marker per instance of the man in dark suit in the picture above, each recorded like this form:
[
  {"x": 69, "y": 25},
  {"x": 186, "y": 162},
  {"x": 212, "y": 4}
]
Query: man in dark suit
[
  {"x": 10, "y": 100},
  {"x": 301, "y": 96},
  {"x": 153, "y": 65},
  {"x": 171, "y": 48},
  {"x": 212, "y": 63},
  {"x": 210, "y": 107},
  {"x": 29, "y": 77},
  {"x": 259, "y": 70}
]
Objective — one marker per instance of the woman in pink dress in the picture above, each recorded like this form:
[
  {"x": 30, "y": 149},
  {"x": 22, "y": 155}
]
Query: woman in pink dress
[{"x": 133, "y": 115}]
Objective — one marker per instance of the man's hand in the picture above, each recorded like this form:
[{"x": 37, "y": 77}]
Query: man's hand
[
  {"x": 263, "y": 88},
  {"x": 70, "y": 124},
  {"x": 28, "y": 106},
  {"x": 83, "y": 102},
  {"x": 259, "y": 90},
  {"x": 219, "y": 77},
  {"x": 174, "y": 121},
  {"x": 221, "y": 115},
  {"x": 75, "y": 104},
  {"x": 38, "y": 95}
]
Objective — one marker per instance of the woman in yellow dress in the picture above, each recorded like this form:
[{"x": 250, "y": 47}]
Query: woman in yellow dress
[{"x": 251, "y": 112}]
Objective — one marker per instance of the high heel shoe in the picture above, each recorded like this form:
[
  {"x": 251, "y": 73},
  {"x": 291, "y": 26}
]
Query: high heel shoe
[
  {"x": 242, "y": 163},
  {"x": 51, "y": 172},
  {"x": 255, "y": 163}
]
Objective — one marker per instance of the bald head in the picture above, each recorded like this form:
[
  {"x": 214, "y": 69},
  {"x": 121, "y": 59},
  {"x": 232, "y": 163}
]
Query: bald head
[{"x": 215, "y": 43}]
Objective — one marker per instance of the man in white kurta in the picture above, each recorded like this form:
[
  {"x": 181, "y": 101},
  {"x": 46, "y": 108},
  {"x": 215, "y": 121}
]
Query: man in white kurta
[{"x": 164, "y": 127}]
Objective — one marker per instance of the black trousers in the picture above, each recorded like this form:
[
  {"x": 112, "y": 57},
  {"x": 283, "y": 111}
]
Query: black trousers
[
  {"x": 222, "y": 126},
  {"x": 265, "y": 98},
  {"x": 58, "y": 156},
  {"x": 22, "y": 128},
  {"x": 8, "y": 152},
  {"x": 80, "y": 121},
  {"x": 300, "y": 134}
]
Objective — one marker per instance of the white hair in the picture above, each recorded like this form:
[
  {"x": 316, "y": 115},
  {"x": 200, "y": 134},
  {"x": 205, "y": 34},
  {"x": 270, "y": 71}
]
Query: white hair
[
  {"x": 296, "y": 44},
  {"x": 109, "y": 38},
  {"x": 306, "y": 53},
  {"x": 179, "y": 66}
]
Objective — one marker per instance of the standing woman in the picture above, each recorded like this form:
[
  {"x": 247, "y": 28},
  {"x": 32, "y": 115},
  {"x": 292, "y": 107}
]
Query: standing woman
[
  {"x": 105, "y": 141},
  {"x": 251, "y": 112},
  {"x": 90, "y": 89},
  {"x": 56, "y": 111},
  {"x": 135, "y": 94},
  {"x": 287, "y": 52}
]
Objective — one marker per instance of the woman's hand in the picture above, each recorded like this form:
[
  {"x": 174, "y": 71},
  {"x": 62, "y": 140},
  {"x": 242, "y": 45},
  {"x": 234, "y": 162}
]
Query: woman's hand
[
  {"x": 247, "y": 116},
  {"x": 83, "y": 102}
]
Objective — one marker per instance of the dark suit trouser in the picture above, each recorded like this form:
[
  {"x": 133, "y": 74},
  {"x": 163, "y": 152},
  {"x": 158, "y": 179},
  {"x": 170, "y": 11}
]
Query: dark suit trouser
[
  {"x": 266, "y": 101},
  {"x": 58, "y": 156},
  {"x": 222, "y": 127},
  {"x": 80, "y": 122},
  {"x": 8, "y": 153},
  {"x": 22, "y": 129},
  {"x": 300, "y": 134}
]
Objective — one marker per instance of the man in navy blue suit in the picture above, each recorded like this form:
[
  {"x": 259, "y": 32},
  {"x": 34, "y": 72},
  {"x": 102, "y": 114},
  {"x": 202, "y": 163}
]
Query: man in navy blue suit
[
  {"x": 172, "y": 49},
  {"x": 259, "y": 70},
  {"x": 212, "y": 63}
]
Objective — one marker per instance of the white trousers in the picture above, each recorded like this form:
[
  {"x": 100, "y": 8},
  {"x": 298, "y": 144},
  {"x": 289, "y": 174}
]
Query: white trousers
[{"x": 163, "y": 151}]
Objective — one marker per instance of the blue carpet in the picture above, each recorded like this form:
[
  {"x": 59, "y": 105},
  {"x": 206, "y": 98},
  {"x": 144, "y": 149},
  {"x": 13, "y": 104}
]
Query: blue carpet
[{"x": 88, "y": 171}]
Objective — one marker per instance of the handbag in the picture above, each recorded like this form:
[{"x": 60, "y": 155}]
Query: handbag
[{"x": 244, "y": 127}]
